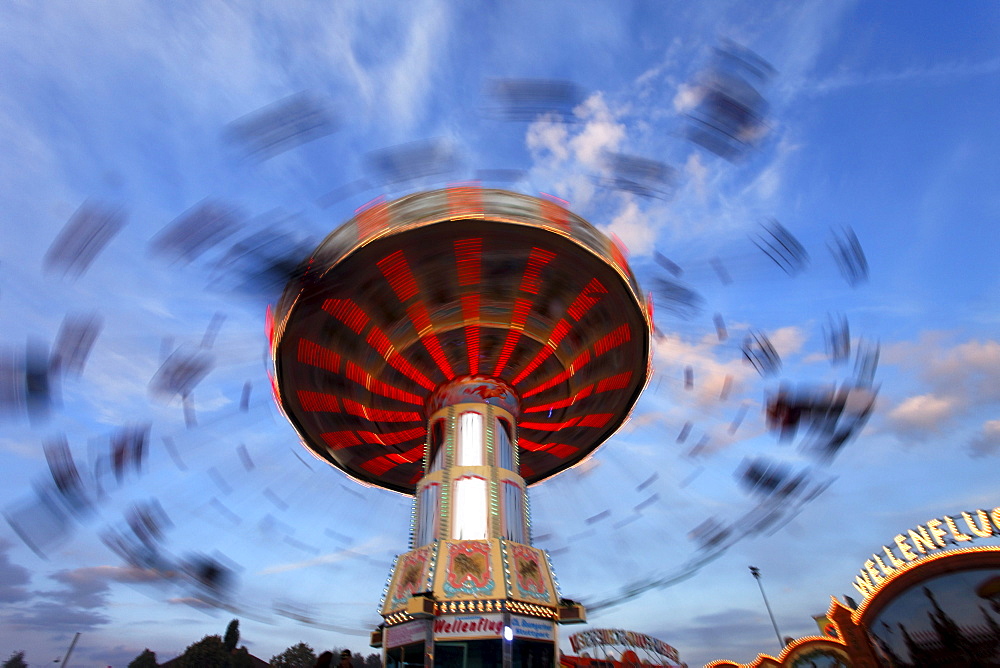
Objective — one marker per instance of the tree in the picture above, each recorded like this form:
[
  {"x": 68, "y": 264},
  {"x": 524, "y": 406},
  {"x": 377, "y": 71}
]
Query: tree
[
  {"x": 146, "y": 659},
  {"x": 16, "y": 660},
  {"x": 209, "y": 652},
  {"x": 373, "y": 661},
  {"x": 296, "y": 656},
  {"x": 232, "y": 637}
]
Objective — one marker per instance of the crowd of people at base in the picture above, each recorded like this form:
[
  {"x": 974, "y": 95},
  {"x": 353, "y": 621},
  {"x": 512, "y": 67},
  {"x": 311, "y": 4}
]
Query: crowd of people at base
[{"x": 325, "y": 660}]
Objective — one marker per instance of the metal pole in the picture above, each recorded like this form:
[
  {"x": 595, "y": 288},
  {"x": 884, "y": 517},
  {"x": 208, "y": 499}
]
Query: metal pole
[
  {"x": 756, "y": 574},
  {"x": 70, "y": 650}
]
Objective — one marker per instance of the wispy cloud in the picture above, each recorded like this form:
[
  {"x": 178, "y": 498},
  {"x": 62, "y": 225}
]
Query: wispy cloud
[
  {"x": 941, "y": 73},
  {"x": 369, "y": 547}
]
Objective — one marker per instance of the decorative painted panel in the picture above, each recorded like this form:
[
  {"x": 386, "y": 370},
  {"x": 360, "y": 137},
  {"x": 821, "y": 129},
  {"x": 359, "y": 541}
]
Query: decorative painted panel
[
  {"x": 471, "y": 569},
  {"x": 529, "y": 574},
  {"x": 412, "y": 574}
]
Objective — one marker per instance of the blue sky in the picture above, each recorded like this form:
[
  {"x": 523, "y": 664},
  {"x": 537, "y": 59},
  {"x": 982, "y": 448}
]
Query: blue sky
[{"x": 881, "y": 119}]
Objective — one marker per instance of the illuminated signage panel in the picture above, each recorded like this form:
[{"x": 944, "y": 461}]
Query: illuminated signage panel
[
  {"x": 533, "y": 628},
  {"x": 468, "y": 626},
  {"x": 406, "y": 634},
  {"x": 909, "y": 548}
]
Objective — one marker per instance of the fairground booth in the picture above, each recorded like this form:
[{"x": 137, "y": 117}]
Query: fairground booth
[
  {"x": 929, "y": 598},
  {"x": 617, "y": 648}
]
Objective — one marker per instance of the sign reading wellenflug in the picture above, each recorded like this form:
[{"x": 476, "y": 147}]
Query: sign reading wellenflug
[{"x": 468, "y": 626}]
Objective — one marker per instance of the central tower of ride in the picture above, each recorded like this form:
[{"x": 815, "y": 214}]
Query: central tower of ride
[{"x": 459, "y": 345}]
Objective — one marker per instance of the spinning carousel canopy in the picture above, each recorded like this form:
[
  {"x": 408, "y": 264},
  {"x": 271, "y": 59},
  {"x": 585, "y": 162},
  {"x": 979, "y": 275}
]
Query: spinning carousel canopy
[{"x": 411, "y": 294}]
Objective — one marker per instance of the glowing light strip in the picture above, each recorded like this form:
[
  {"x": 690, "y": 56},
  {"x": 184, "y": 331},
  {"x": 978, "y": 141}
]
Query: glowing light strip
[
  {"x": 522, "y": 307},
  {"x": 376, "y": 415},
  {"x": 532, "y": 446},
  {"x": 318, "y": 402},
  {"x": 547, "y": 426},
  {"x": 532, "y": 278},
  {"x": 380, "y": 342},
  {"x": 619, "y": 254},
  {"x": 549, "y": 208},
  {"x": 581, "y": 361},
  {"x": 586, "y": 299},
  {"x": 341, "y": 439},
  {"x": 269, "y": 328},
  {"x": 372, "y": 384},
  {"x": 472, "y": 344},
  {"x": 563, "y": 403},
  {"x": 465, "y": 199},
  {"x": 316, "y": 355},
  {"x": 560, "y": 450},
  {"x": 607, "y": 342},
  {"x": 467, "y": 260},
  {"x": 530, "y": 282},
  {"x": 559, "y": 332},
  {"x": 275, "y": 392},
  {"x": 379, "y": 466},
  {"x": 391, "y": 438},
  {"x": 649, "y": 312},
  {"x": 615, "y": 382},
  {"x": 422, "y": 323},
  {"x": 470, "y": 313},
  {"x": 613, "y": 340},
  {"x": 594, "y": 420},
  {"x": 347, "y": 312},
  {"x": 411, "y": 456},
  {"x": 371, "y": 217},
  {"x": 396, "y": 270}
]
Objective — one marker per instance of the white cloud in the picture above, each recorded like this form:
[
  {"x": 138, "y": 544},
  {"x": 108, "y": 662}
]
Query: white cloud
[
  {"x": 601, "y": 132},
  {"x": 547, "y": 139},
  {"x": 920, "y": 415},
  {"x": 631, "y": 225},
  {"x": 974, "y": 366},
  {"x": 959, "y": 378},
  {"x": 567, "y": 156},
  {"x": 787, "y": 340},
  {"x": 687, "y": 98}
]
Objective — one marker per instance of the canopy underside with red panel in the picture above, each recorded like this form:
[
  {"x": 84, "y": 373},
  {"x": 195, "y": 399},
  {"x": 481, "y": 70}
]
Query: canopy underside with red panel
[{"x": 411, "y": 294}]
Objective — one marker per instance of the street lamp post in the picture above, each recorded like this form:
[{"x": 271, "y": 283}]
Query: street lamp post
[
  {"x": 756, "y": 574},
  {"x": 69, "y": 651}
]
